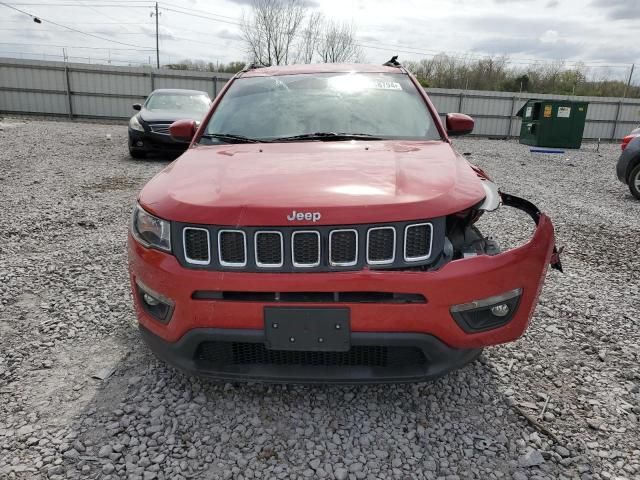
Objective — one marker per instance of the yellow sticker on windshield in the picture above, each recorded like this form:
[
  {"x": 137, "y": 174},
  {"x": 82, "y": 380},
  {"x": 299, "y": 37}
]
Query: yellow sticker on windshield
[{"x": 387, "y": 85}]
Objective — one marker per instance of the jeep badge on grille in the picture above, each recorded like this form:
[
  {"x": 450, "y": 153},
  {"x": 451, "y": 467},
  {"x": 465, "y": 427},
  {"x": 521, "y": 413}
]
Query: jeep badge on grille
[{"x": 298, "y": 216}]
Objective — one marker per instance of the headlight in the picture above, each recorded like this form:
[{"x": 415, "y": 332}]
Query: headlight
[
  {"x": 151, "y": 231},
  {"x": 492, "y": 196},
  {"x": 134, "y": 124}
]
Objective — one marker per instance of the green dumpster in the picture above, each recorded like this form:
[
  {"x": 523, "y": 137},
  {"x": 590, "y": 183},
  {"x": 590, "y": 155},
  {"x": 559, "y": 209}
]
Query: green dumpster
[{"x": 553, "y": 123}]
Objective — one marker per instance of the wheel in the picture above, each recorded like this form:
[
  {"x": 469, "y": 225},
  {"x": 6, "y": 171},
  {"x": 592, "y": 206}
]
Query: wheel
[
  {"x": 137, "y": 153},
  {"x": 634, "y": 181}
]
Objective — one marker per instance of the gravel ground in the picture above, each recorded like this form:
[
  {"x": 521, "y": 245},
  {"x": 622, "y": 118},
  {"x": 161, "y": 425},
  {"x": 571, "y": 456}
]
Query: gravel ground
[{"x": 66, "y": 318}]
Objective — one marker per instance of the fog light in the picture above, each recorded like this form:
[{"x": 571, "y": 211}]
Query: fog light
[
  {"x": 488, "y": 313},
  {"x": 501, "y": 310},
  {"x": 155, "y": 304},
  {"x": 139, "y": 143},
  {"x": 151, "y": 301}
]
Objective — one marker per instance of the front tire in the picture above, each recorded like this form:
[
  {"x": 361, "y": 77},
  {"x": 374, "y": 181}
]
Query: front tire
[{"x": 634, "y": 182}]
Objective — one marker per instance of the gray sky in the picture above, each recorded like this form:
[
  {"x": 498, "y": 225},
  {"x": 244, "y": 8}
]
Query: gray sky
[{"x": 598, "y": 32}]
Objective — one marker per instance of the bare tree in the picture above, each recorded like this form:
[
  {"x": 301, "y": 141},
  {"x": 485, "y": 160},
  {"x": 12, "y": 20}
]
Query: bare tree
[
  {"x": 337, "y": 43},
  {"x": 309, "y": 37},
  {"x": 271, "y": 28}
]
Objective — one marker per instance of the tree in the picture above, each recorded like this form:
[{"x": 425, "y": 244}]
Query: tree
[
  {"x": 270, "y": 30},
  {"x": 309, "y": 37},
  {"x": 338, "y": 44}
]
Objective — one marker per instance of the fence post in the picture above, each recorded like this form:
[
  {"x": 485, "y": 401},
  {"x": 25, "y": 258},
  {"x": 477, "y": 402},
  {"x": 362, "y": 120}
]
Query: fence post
[
  {"x": 615, "y": 122},
  {"x": 215, "y": 87},
  {"x": 68, "y": 83},
  {"x": 513, "y": 105},
  {"x": 460, "y": 102},
  {"x": 153, "y": 86}
]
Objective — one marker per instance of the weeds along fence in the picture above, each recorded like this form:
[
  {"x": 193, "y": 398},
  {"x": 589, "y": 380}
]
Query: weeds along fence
[{"x": 77, "y": 91}]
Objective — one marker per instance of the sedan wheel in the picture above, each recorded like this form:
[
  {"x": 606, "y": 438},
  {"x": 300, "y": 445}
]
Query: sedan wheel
[{"x": 634, "y": 182}]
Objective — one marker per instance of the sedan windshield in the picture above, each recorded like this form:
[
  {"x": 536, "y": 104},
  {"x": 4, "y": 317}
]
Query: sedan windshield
[
  {"x": 321, "y": 107},
  {"x": 177, "y": 102}
]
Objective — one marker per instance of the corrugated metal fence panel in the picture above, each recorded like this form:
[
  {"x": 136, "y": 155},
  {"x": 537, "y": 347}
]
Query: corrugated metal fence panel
[
  {"x": 30, "y": 78},
  {"x": 630, "y": 113},
  {"x": 203, "y": 85},
  {"x": 39, "y": 87},
  {"x": 29, "y": 102},
  {"x": 97, "y": 82}
]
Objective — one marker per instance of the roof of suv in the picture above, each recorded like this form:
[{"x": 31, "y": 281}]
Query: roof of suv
[{"x": 319, "y": 68}]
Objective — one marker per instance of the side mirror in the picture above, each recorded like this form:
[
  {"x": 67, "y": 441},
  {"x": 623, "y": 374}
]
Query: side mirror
[
  {"x": 183, "y": 130},
  {"x": 459, "y": 124},
  {"x": 137, "y": 106}
]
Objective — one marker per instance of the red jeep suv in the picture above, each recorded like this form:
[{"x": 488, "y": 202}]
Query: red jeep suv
[{"x": 320, "y": 228}]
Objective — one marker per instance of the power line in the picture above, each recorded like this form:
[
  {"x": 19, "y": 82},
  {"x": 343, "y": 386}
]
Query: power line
[
  {"x": 70, "y": 28},
  {"x": 67, "y": 46},
  {"x": 34, "y": 54}
]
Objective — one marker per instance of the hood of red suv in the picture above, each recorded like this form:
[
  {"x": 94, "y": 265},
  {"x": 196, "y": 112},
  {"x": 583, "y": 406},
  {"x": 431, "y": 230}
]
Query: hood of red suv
[{"x": 329, "y": 183}]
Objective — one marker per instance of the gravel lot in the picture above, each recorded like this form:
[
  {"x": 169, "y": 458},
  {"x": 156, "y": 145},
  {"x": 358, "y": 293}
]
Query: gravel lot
[{"x": 66, "y": 316}]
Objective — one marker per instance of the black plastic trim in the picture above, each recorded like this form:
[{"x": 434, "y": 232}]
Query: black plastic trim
[
  {"x": 441, "y": 359},
  {"x": 534, "y": 212}
]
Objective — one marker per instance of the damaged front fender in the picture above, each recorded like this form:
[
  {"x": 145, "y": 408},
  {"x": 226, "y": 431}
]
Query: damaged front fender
[{"x": 534, "y": 212}]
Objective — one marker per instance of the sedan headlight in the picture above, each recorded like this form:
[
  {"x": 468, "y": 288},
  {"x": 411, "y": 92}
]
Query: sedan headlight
[
  {"x": 134, "y": 124},
  {"x": 151, "y": 231}
]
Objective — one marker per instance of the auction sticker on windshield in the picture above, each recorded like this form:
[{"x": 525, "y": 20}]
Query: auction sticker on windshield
[{"x": 387, "y": 85}]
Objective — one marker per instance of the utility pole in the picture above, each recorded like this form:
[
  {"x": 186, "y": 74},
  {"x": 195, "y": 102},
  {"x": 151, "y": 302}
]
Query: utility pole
[
  {"x": 157, "y": 38},
  {"x": 624, "y": 95}
]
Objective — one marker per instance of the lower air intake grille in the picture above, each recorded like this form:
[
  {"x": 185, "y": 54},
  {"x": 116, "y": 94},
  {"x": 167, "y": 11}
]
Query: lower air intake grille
[
  {"x": 241, "y": 353},
  {"x": 417, "y": 242},
  {"x": 232, "y": 247},
  {"x": 196, "y": 245}
]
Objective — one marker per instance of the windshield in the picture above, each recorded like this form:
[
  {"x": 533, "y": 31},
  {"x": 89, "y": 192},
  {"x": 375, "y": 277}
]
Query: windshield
[
  {"x": 269, "y": 108},
  {"x": 196, "y": 103}
]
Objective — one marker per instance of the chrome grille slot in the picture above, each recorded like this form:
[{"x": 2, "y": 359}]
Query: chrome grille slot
[
  {"x": 269, "y": 249},
  {"x": 417, "y": 242},
  {"x": 381, "y": 245},
  {"x": 161, "y": 128},
  {"x": 343, "y": 248},
  {"x": 305, "y": 248},
  {"x": 232, "y": 248},
  {"x": 197, "y": 249}
]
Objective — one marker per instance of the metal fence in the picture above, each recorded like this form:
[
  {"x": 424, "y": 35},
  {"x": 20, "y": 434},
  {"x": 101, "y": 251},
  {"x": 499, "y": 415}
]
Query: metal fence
[
  {"x": 607, "y": 118},
  {"x": 32, "y": 87},
  {"x": 77, "y": 90}
]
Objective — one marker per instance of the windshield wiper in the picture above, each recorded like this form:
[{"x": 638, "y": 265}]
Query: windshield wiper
[
  {"x": 328, "y": 136},
  {"x": 231, "y": 138}
]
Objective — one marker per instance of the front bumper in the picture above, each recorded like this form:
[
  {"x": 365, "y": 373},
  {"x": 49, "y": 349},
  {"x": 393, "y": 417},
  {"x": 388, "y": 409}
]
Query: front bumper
[
  {"x": 154, "y": 142},
  {"x": 428, "y": 326}
]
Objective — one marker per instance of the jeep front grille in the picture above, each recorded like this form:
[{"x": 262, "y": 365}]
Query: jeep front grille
[{"x": 291, "y": 249}]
